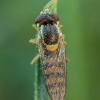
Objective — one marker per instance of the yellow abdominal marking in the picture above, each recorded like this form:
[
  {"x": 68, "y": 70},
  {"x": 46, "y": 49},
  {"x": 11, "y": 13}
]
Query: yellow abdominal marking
[{"x": 52, "y": 47}]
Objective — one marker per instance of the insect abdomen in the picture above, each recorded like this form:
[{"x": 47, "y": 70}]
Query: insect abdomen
[{"x": 54, "y": 77}]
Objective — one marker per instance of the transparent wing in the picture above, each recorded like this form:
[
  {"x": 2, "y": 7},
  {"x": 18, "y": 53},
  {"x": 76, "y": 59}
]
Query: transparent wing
[{"x": 54, "y": 71}]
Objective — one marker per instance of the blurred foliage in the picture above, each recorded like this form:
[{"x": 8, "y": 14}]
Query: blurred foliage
[{"x": 81, "y": 21}]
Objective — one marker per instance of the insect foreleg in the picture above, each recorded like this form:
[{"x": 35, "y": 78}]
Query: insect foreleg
[
  {"x": 35, "y": 59},
  {"x": 60, "y": 26},
  {"x": 34, "y": 26},
  {"x": 64, "y": 42},
  {"x": 33, "y": 41},
  {"x": 67, "y": 59}
]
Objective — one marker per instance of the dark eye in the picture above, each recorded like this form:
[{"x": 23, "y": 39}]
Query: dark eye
[
  {"x": 55, "y": 17},
  {"x": 45, "y": 18},
  {"x": 40, "y": 19}
]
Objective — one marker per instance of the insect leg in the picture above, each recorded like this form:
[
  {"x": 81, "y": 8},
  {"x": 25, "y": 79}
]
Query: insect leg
[
  {"x": 60, "y": 26},
  {"x": 35, "y": 59},
  {"x": 64, "y": 42},
  {"x": 67, "y": 59},
  {"x": 62, "y": 39},
  {"x": 33, "y": 41},
  {"x": 34, "y": 26}
]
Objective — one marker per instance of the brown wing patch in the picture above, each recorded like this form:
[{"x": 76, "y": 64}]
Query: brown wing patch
[
  {"x": 55, "y": 80},
  {"x": 53, "y": 69},
  {"x": 56, "y": 89},
  {"x": 56, "y": 83},
  {"x": 57, "y": 93}
]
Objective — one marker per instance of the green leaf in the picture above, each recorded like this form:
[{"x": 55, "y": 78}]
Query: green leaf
[{"x": 52, "y": 6}]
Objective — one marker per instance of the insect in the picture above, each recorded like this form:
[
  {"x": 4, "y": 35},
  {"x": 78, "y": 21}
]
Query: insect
[{"x": 51, "y": 48}]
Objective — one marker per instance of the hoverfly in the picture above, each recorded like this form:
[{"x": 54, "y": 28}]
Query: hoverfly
[{"x": 51, "y": 48}]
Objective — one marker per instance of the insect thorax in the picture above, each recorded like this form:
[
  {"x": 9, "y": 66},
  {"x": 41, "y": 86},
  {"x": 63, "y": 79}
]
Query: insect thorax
[{"x": 50, "y": 34}]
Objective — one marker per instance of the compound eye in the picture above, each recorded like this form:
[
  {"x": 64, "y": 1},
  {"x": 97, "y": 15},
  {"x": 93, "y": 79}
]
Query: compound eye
[
  {"x": 55, "y": 17},
  {"x": 41, "y": 18}
]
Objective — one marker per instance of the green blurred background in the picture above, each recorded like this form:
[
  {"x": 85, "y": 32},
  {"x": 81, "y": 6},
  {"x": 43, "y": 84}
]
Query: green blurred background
[{"x": 81, "y": 21}]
